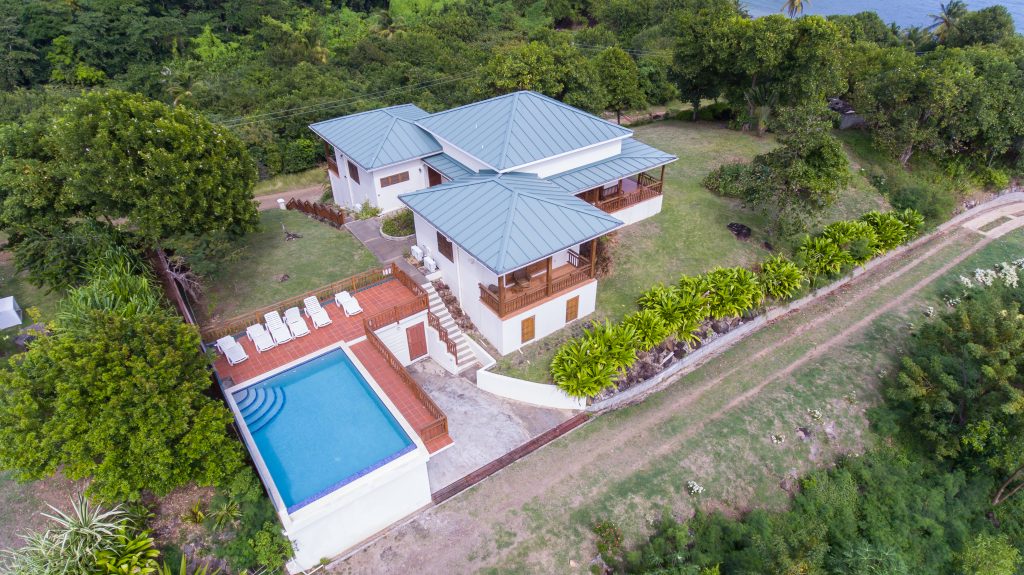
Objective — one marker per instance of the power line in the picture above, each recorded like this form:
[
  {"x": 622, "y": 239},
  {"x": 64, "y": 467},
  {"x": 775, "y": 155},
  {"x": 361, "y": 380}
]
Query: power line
[{"x": 289, "y": 112}]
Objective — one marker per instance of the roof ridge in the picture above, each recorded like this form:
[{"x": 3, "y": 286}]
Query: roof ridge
[
  {"x": 469, "y": 105},
  {"x": 507, "y": 231},
  {"x": 508, "y": 131},
  {"x": 385, "y": 109},
  {"x": 578, "y": 111},
  {"x": 561, "y": 199},
  {"x": 384, "y": 139}
]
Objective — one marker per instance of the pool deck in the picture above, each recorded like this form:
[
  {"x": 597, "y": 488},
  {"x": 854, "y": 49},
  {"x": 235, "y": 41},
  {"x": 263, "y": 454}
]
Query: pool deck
[{"x": 373, "y": 300}]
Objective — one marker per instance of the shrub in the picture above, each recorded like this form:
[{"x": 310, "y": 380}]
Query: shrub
[
  {"x": 731, "y": 292},
  {"x": 729, "y": 180},
  {"x": 365, "y": 211},
  {"x": 890, "y": 229},
  {"x": 934, "y": 202},
  {"x": 250, "y": 537},
  {"x": 399, "y": 225},
  {"x": 821, "y": 258},
  {"x": 298, "y": 155},
  {"x": 780, "y": 278},
  {"x": 649, "y": 327},
  {"x": 579, "y": 369},
  {"x": 682, "y": 310},
  {"x": 854, "y": 236}
]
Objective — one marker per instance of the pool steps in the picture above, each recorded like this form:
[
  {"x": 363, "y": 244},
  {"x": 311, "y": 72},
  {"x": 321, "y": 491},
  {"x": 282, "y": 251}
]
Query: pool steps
[{"x": 259, "y": 405}]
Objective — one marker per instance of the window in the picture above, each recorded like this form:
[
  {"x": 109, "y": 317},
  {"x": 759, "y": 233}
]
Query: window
[
  {"x": 395, "y": 179},
  {"x": 572, "y": 308},
  {"x": 353, "y": 172},
  {"x": 527, "y": 329},
  {"x": 444, "y": 247}
]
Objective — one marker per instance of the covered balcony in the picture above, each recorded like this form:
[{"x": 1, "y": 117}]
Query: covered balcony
[
  {"x": 625, "y": 193},
  {"x": 539, "y": 281}
]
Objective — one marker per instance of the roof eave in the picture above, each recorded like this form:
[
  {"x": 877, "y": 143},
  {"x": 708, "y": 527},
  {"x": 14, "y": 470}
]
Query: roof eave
[{"x": 520, "y": 167}]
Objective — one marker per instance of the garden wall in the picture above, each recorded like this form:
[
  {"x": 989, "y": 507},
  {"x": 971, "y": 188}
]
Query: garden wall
[
  {"x": 697, "y": 358},
  {"x": 540, "y": 394}
]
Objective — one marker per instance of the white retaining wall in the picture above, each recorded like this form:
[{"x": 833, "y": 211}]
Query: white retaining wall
[
  {"x": 540, "y": 394},
  {"x": 393, "y": 336}
]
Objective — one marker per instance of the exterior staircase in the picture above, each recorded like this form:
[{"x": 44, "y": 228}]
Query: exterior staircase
[{"x": 465, "y": 357}]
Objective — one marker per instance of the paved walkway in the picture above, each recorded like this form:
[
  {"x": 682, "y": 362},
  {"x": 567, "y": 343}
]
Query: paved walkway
[{"x": 384, "y": 249}]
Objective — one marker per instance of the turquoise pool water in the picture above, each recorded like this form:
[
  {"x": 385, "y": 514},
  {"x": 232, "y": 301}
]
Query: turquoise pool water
[{"x": 319, "y": 426}]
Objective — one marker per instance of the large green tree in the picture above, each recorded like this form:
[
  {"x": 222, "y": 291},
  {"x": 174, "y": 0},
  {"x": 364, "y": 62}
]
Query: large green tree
[
  {"x": 962, "y": 387},
  {"x": 117, "y": 394},
  {"x": 618, "y": 74},
  {"x": 124, "y": 161}
]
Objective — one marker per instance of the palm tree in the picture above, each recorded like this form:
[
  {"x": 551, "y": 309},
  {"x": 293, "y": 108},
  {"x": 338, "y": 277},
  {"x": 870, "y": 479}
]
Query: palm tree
[
  {"x": 794, "y": 7},
  {"x": 914, "y": 37},
  {"x": 947, "y": 19}
]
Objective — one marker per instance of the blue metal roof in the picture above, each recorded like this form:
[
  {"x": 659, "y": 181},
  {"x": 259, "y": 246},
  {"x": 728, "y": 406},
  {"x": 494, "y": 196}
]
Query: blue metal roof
[
  {"x": 381, "y": 137},
  {"x": 519, "y": 128},
  {"x": 448, "y": 166},
  {"x": 635, "y": 157},
  {"x": 507, "y": 221}
]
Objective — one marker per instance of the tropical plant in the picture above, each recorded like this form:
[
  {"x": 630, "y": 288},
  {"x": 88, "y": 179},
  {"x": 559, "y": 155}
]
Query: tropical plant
[
  {"x": 683, "y": 310},
  {"x": 780, "y": 278},
  {"x": 913, "y": 219},
  {"x": 616, "y": 342},
  {"x": 854, "y": 236},
  {"x": 890, "y": 230},
  {"x": 794, "y": 7},
  {"x": 731, "y": 292},
  {"x": 195, "y": 514},
  {"x": 184, "y": 569},
  {"x": 85, "y": 541},
  {"x": 947, "y": 19},
  {"x": 224, "y": 514},
  {"x": 821, "y": 258},
  {"x": 761, "y": 102},
  {"x": 650, "y": 328},
  {"x": 579, "y": 370}
]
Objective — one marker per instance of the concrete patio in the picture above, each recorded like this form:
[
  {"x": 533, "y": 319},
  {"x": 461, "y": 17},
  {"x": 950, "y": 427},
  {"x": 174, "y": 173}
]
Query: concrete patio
[{"x": 483, "y": 426}]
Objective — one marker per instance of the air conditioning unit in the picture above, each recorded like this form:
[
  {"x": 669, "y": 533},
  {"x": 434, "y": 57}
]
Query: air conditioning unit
[
  {"x": 430, "y": 264},
  {"x": 416, "y": 252}
]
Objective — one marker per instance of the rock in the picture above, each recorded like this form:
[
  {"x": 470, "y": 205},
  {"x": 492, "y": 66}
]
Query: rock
[
  {"x": 739, "y": 230},
  {"x": 282, "y": 277}
]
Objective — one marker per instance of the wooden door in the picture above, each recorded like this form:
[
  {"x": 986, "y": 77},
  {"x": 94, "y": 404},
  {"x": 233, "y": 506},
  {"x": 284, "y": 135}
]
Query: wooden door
[
  {"x": 572, "y": 308},
  {"x": 527, "y": 329},
  {"x": 433, "y": 177},
  {"x": 417, "y": 339}
]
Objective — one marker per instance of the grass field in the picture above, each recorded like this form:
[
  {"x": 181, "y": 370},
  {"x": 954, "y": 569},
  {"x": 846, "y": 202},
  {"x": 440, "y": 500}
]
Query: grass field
[
  {"x": 284, "y": 182},
  {"x": 250, "y": 278},
  {"x": 712, "y": 426},
  {"x": 689, "y": 236}
]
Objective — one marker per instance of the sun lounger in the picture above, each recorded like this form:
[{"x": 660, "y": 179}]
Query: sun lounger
[
  {"x": 231, "y": 349},
  {"x": 316, "y": 312},
  {"x": 278, "y": 329},
  {"x": 296, "y": 324},
  {"x": 260, "y": 338},
  {"x": 348, "y": 303}
]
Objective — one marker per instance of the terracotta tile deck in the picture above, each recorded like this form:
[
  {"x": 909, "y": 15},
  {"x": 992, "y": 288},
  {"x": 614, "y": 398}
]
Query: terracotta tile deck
[{"x": 373, "y": 301}]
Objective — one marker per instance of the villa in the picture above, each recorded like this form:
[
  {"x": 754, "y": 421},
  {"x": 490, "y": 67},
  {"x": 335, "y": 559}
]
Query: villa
[{"x": 511, "y": 196}]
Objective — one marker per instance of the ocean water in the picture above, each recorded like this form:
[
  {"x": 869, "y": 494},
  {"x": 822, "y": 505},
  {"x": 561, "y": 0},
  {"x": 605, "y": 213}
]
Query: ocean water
[
  {"x": 319, "y": 426},
  {"x": 902, "y": 12}
]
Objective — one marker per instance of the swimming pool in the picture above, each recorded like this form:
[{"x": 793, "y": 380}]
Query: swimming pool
[{"x": 319, "y": 426}]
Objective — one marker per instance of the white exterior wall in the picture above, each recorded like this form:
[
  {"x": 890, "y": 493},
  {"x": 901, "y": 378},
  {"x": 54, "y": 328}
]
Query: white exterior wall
[
  {"x": 572, "y": 160},
  {"x": 464, "y": 157},
  {"x": 393, "y": 336},
  {"x": 387, "y": 198},
  {"x": 641, "y": 211},
  {"x": 392, "y": 493},
  {"x": 549, "y": 318},
  {"x": 346, "y": 191}
]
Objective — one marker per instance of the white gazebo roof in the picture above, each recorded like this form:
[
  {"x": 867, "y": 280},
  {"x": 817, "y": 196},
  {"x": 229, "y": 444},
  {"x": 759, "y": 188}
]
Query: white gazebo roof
[{"x": 10, "y": 313}]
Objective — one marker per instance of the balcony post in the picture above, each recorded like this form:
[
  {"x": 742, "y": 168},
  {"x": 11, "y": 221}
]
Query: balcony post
[
  {"x": 593, "y": 257},
  {"x": 662, "y": 178},
  {"x": 547, "y": 278},
  {"x": 501, "y": 295}
]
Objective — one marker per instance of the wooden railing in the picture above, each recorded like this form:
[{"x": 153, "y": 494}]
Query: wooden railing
[
  {"x": 435, "y": 322},
  {"x": 439, "y": 425},
  {"x": 647, "y": 188},
  {"x": 515, "y": 301},
  {"x": 327, "y": 214},
  {"x": 237, "y": 324},
  {"x": 578, "y": 261}
]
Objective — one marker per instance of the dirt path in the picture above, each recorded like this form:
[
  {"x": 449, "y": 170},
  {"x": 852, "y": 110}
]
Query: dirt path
[
  {"x": 269, "y": 202},
  {"x": 467, "y": 533}
]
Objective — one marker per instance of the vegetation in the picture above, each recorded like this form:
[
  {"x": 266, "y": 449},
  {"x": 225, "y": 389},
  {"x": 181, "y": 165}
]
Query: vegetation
[
  {"x": 400, "y": 224},
  {"x": 588, "y": 365},
  {"x": 115, "y": 394}
]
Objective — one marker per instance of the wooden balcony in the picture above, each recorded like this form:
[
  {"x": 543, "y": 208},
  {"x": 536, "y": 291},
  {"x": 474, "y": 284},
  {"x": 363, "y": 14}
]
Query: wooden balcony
[
  {"x": 627, "y": 193},
  {"x": 332, "y": 163},
  {"x": 536, "y": 283}
]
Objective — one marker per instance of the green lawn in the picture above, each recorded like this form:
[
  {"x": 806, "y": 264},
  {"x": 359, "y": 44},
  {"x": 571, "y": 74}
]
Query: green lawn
[
  {"x": 689, "y": 236},
  {"x": 250, "y": 278},
  {"x": 285, "y": 182}
]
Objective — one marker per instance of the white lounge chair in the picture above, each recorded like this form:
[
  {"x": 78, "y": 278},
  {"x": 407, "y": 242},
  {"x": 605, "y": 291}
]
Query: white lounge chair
[
  {"x": 316, "y": 312},
  {"x": 278, "y": 329},
  {"x": 348, "y": 303},
  {"x": 260, "y": 338},
  {"x": 296, "y": 324},
  {"x": 232, "y": 350}
]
